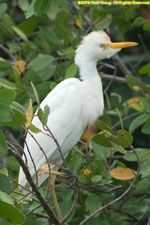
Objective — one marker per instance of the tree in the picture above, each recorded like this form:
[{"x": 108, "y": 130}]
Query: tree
[{"x": 107, "y": 180}]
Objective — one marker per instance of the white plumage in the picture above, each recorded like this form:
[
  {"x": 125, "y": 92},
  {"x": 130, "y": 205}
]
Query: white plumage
[{"x": 74, "y": 105}]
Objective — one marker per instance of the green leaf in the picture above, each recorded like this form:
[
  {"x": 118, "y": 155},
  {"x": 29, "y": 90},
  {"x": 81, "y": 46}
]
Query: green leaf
[
  {"x": 103, "y": 126},
  {"x": 82, "y": 178},
  {"x": 20, "y": 33},
  {"x": 43, "y": 89},
  {"x": 145, "y": 169},
  {"x": 3, "y": 8},
  {"x": 53, "y": 10},
  {"x": 118, "y": 148},
  {"x": 5, "y": 113},
  {"x": 92, "y": 203},
  {"x": 102, "y": 140},
  {"x": 147, "y": 25},
  {"x": 53, "y": 85},
  {"x": 35, "y": 93},
  {"x": 7, "y": 84},
  {"x": 23, "y": 4},
  {"x": 11, "y": 213},
  {"x": 104, "y": 24},
  {"x": 34, "y": 129},
  {"x": 138, "y": 21},
  {"x": 3, "y": 145},
  {"x": 43, "y": 115},
  {"x": 18, "y": 107},
  {"x": 145, "y": 69},
  {"x": 146, "y": 127},
  {"x": 125, "y": 139},
  {"x": 5, "y": 66},
  {"x": 96, "y": 178},
  {"x": 5, "y": 184},
  {"x": 6, "y": 198},
  {"x": 41, "y": 7},
  {"x": 30, "y": 11},
  {"x": 143, "y": 187},
  {"x": 138, "y": 108},
  {"x": 71, "y": 71},
  {"x": 18, "y": 119},
  {"x": 42, "y": 66},
  {"x": 143, "y": 154},
  {"x": 138, "y": 121},
  {"x": 7, "y": 96},
  {"x": 100, "y": 151},
  {"x": 133, "y": 81},
  {"x": 145, "y": 103}
]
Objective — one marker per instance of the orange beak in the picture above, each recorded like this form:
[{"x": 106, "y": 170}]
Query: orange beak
[{"x": 122, "y": 45}]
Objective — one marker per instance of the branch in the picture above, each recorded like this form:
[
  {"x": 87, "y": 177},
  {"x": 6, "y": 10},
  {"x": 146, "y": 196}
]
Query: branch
[
  {"x": 58, "y": 146},
  {"x": 115, "y": 79},
  {"x": 52, "y": 217},
  {"x": 125, "y": 118},
  {"x": 49, "y": 169},
  {"x": 121, "y": 65},
  {"x": 7, "y": 52},
  {"x": 40, "y": 215},
  {"x": 73, "y": 205}
]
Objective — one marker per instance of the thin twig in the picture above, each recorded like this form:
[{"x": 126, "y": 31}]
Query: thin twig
[
  {"x": 37, "y": 207},
  {"x": 58, "y": 146},
  {"x": 121, "y": 65},
  {"x": 19, "y": 193},
  {"x": 51, "y": 215},
  {"x": 125, "y": 118},
  {"x": 116, "y": 79},
  {"x": 7, "y": 52},
  {"x": 42, "y": 150},
  {"x": 73, "y": 205},
  {"x": 145, "y": 52},
  {"x": 36, "y": 174},
  {"x": 111, "y": 81},
  {"x": 40, "y": 215},
  {"x": 19, "y": 147},
  {"x": 16, "y": 202},
  {"x": 19, "y": 185}
]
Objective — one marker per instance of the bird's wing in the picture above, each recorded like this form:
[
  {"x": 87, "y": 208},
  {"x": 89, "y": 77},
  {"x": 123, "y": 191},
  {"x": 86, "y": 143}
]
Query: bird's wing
[{"x": 64, "y": 121}]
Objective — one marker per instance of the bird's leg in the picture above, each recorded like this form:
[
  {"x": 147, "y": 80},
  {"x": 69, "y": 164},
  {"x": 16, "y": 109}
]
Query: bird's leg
[
  {"x": 54, "y": 171},
  {"x": 54, "y": 197}
]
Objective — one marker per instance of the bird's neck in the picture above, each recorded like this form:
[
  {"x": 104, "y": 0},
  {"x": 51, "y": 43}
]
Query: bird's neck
[{"x": 88, "y": 71}]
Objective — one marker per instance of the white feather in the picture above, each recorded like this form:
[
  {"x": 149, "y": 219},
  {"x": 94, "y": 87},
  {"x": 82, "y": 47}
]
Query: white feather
[{"x": 74, "y": 105}]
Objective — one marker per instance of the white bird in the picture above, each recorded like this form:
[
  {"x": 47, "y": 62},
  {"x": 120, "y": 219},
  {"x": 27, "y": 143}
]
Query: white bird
[{"x": 74, "y": 104}]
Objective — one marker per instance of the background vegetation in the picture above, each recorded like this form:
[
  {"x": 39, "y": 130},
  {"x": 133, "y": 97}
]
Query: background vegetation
[{"x": 37, "y": 43}]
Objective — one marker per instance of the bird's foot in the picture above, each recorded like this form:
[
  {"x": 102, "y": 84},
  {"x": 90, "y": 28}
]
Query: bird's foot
[{"x": 50, "y": 169}]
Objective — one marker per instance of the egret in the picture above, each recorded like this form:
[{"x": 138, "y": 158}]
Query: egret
[{"x": 74, "y": 104}]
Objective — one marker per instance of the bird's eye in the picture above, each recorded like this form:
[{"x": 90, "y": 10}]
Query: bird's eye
[{"x": 102, "y": 46}]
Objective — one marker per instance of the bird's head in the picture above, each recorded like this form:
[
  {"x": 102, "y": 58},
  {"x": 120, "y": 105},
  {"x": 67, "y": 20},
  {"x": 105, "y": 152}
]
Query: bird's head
[{"x": 97, "y": 46}]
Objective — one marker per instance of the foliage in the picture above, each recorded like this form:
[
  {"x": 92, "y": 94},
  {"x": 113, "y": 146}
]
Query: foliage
[{"x": 37, "y": 43}]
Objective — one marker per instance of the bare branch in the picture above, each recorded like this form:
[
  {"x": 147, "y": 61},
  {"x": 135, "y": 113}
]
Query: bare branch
[
  {"x": 116, "y": 79},
  {"x": 52, "y": 217},
  {"x": 125, "y": 118},
  {"x": 36, "y": 174},
  {"x": 42, "y": 150},
  {"x": 121, "y": 65},
  {"x": 37, "y": 207},
  {"x": 58, "y": 146},
  {"x": 40, "y": 215},
  {"x": 73, "y": 205},
  {"x": 7, "y": 52}
]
